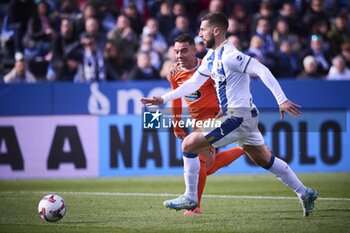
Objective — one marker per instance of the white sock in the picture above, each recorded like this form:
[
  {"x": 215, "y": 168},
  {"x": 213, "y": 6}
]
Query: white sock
[
  {"x": 285, "y": 174},
  {"x": 191, "y": 175}
]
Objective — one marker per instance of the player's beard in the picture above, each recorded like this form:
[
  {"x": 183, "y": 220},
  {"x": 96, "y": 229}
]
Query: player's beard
[{"x": 209, "y": 43}]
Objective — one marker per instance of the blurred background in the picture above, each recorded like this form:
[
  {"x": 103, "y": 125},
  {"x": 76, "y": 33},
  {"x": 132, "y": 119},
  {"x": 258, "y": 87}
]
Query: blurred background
[{"x": 82, "y": 41}]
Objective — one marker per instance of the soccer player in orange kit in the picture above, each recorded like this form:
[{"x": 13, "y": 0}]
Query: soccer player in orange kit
[{"x": 202, "y": 105}]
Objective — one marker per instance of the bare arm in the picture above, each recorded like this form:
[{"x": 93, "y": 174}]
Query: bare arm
[{"x": 176, "y": 108}]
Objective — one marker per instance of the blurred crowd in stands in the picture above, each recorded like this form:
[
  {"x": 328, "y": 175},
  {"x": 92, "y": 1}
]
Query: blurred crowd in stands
[{"x": 106, "y": 40}]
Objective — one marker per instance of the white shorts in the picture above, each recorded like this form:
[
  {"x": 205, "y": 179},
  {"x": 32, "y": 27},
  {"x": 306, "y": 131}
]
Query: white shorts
[{"x": 240, "y": 128}]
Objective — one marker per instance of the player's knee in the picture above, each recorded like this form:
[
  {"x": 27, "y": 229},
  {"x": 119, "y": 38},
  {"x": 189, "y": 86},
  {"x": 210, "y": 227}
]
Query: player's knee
[{"x": 187, "y": 145}]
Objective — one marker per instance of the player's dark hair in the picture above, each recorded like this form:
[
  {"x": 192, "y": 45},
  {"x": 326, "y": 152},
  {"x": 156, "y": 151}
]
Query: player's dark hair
[
  {"x": 217, "y": 19},
  {"x": 183, "y": 38}
]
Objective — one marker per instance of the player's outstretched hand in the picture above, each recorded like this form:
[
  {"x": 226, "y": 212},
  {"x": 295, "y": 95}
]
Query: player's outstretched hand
[
  {"x": 155, "y": 100},
  {"x": 291, "y": 108}
]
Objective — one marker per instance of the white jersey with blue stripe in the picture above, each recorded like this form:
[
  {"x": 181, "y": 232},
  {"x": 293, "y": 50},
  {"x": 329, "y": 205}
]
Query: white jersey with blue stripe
[
  {"x": 226, "y": 66},
  {"x": 230, "y": 69}
]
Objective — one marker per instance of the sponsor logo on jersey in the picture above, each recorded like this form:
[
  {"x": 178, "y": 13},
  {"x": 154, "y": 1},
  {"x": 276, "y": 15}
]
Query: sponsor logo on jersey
[{"x": 193, "y": 96}]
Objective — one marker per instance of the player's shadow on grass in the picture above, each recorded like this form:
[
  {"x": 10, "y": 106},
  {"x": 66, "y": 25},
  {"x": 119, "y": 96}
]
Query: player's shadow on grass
[
  {"x": 324, "y": 213},
  {"x": 281, "y": 214}
]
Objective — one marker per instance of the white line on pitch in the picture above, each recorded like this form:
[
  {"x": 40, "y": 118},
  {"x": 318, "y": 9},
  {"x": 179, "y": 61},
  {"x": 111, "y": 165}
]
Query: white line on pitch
[{"x": 171, "y": 194}]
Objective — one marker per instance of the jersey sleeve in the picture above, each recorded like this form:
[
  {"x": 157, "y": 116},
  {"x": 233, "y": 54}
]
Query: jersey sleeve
[
  {"x": 203, "y": 68},
  {"x": 237, "y": 60},
  {"x": 176, "y": 104},
  {"x": 191, "y": 85},
  {"x": 176, "y": 108},
  {"x": 172, "y": 81},
  {"x": 258, "y": 69}
]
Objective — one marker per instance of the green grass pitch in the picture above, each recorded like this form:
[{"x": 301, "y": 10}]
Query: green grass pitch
[{"x": 232, "y": 203}]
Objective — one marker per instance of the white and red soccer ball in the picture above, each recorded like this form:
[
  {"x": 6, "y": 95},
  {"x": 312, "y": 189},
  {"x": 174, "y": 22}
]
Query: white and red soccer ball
[{"x": 52, "y": 208}]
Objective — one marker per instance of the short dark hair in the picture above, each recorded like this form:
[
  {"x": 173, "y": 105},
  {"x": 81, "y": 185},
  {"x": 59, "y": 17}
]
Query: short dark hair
[
  {"x": 183, "y": 38},
  {"x": 217, "y": 19}
]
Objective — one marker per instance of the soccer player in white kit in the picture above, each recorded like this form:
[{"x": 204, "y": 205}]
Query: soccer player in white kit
[{"x": 231, "y": 70}]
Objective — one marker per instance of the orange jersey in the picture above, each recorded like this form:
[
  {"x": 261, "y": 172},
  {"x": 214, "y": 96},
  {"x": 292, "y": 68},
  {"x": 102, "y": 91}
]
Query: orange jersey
[{"x": 202, "y": 104}]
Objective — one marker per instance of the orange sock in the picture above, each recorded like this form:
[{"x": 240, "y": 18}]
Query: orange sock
[
  {"x": 224, "y": 158},
  {"x": 202, "y": 179}
]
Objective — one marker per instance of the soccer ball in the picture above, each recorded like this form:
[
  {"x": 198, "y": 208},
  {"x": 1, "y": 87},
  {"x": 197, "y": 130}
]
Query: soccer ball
[{"x": 52, "y": 208}]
